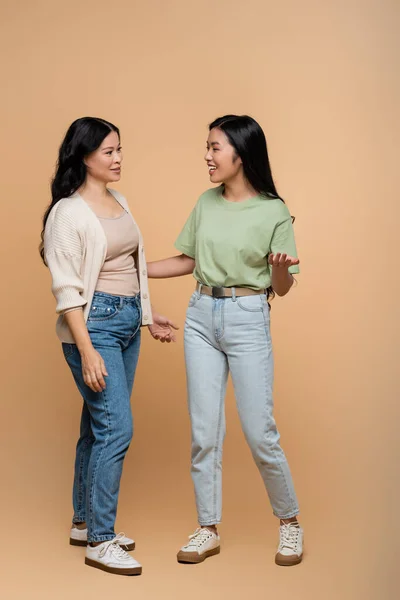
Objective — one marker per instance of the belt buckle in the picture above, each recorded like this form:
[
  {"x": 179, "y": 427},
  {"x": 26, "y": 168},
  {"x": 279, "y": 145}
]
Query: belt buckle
[{"x": 218, "y": 292}]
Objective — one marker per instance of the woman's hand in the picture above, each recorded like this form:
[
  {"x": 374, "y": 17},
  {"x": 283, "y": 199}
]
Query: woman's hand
[
  {"x": 282, "y": 260},
  {"x": 162, "y": 329},
  {"x": 281, "y": 279},
  {"x": 93, "y": 369}
]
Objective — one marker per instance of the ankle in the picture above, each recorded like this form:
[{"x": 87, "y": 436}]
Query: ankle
[
  {"x": 212, "y": 528},
  {"x": 81, "y": 525},
  {"x": 287, "y": 521}
]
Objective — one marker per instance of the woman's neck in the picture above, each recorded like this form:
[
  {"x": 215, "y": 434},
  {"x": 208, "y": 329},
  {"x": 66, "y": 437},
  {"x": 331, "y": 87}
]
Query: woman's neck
[
  {"x": 238, "y": 190},
  {"x": 94, "y": 190}
]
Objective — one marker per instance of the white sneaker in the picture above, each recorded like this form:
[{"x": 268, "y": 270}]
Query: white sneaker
[
  {"x": 290, "y": 551},
  {"x": 110, "y": 557},
  {"x": 203, "y": 543},
  {"x": 78, "y": 537}
]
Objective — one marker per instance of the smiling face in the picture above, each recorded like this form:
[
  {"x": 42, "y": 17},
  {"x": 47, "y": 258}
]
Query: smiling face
[
  {"x": 222, "y": 161},
  {"x": 104, "y": 164}
]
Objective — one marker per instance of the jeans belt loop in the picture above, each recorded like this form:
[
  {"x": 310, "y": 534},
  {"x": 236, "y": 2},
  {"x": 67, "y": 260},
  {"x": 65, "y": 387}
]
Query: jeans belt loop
[
  {"x": 233, "y": 290},
  {"x": 199, "y": 286}
]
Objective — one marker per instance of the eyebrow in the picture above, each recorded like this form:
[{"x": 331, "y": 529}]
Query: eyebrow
[
  {"x": 214, "y": 144},
  {"x": 112, "y": 147}
]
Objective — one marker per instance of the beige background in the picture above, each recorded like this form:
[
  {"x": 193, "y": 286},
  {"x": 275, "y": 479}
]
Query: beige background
[{"x": 321, "y": 77}]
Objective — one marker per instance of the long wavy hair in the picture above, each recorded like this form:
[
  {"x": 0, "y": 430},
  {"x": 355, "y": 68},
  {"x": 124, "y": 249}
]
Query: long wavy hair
[
  {"x": 84, "y": 136},
  {"x": 249, "y": 143}
]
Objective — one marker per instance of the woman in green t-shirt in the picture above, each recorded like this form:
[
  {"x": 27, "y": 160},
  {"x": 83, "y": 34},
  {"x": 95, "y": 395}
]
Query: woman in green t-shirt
[{"x": 238, "y": 242}]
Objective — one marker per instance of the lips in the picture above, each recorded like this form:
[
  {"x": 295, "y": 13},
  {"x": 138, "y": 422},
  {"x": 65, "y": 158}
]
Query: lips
[{"x": 211, "y": 169}]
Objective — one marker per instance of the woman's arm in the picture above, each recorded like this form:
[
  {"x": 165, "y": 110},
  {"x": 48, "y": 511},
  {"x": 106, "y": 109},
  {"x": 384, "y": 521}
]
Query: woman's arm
[
  {"x": 93, "y": 366},
  {"x": 283, "y": 255},
  {"x": 282, "y": 280},
  {"x": 63, "y": 252},
  {"x": 175, "y": 266}
]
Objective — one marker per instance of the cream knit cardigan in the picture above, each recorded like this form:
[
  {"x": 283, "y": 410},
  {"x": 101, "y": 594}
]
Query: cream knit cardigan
[{"x": 75, "y": 248}]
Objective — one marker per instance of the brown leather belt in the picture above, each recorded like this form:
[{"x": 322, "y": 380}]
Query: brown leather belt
[{"x": 227, "y": 292}]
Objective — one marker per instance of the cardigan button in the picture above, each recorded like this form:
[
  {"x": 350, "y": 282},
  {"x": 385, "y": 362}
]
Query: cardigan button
[
  {"x": 146, "y": 317},
  {"x": 145, "y": 296},
  {"x": 144, "y": 272}
]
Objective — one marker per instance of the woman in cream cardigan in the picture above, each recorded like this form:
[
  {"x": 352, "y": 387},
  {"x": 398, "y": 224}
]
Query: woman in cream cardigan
[{"x": 95, "y": 254}]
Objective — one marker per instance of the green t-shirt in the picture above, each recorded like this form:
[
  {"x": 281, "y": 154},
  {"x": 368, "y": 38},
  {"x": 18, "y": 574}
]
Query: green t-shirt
[{"x": 230, "y": 241}]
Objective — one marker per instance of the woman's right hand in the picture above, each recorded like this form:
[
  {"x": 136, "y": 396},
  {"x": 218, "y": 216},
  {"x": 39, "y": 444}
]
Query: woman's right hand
[{"x": 93, "y": 369}]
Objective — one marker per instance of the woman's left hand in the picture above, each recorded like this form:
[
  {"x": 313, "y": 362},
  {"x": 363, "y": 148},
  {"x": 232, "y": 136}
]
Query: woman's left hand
[
  {"x": 282, "y": 260},
  {"x": 162, "y": 329}
]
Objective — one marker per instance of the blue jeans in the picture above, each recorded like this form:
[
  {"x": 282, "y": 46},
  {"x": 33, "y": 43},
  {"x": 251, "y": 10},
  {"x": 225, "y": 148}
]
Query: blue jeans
[
  {"x": 222, "y": 335},
  {"x": 106, "y": 423}
]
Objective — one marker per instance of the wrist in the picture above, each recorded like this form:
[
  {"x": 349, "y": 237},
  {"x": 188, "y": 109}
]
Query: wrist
[
  {"x": 84, "y": 347},
  {"x": 280, "y": 271}
]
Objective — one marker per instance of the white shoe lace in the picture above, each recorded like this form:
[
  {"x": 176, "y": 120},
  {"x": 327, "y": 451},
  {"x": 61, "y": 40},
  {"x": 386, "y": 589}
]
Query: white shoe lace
[
  {"x": 115, "y": 548},
  {"x": 289, "y": 536},
  {"x": 199, "y": 537}
]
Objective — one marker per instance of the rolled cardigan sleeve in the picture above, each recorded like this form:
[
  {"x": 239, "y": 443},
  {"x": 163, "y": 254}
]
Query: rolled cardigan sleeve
[
  {"x": 67, "y": 284},
  {"x": 63, "y": 253}
]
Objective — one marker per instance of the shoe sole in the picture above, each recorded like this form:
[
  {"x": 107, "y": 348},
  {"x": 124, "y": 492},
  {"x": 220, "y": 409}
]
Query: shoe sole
[
  {"x": 287, "y": 561},
  {"x": 194, "y": 558},
  {"x": 113, "y": 570},
  {"x": 126, "y": 547}
]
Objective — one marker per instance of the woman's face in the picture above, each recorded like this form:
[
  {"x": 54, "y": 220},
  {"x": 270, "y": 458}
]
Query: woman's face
[
  {"x": 104, "y": 164},
  {"x": 222, "y": 160}
]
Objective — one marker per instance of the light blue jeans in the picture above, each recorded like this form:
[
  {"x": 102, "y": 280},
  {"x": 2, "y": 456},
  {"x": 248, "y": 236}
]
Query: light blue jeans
[
  {"x": 106, "y": 423},
  {"x": 222, "y": 335}
]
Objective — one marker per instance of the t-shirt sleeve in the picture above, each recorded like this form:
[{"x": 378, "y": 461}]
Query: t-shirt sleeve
[
  {"x": 186, "y": 241},
  {"x": 283, "y": 241}
]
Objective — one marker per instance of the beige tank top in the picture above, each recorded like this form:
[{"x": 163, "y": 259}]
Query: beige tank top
[{"x": 118, "y": 275}]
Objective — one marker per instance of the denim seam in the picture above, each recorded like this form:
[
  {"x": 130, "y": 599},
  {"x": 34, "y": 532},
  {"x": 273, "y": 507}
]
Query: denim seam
[
  {"x": 139, "y": 324},
  {"x": 209, "y": 522},
  {"x": 78, "y": 519},
  {"x": 91, "y": 491},
  {"x": 107, "y": 538},
  {"x": 219, "y": 336},
  {"x": 216, "y": 448},
  {"x": 267, "y": 329},
  {"x": 289, "y": 495},
  {"x": 213, "y": 320},
  {"x": 289, "y": 515},
  {"x": 70, "y": 351},
  {"x": 81, "y": 499},
  {"x": 223, "y": 320},
  {"x": 194, "y": 298}
]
